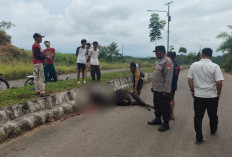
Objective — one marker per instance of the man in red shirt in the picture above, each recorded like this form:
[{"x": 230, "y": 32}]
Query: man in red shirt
[
  {"x": 38, "y": 61},
  {"x": 49, "y": 69}
]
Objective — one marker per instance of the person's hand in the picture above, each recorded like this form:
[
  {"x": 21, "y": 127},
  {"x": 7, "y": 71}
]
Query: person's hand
[
  {"x": 135, "y": 91},
  {"x": 152, "y": 90},
  {"x": 166, "y": 94},
  {"x": 219, "y": 97},
  {"x": 192, "y": 93}
]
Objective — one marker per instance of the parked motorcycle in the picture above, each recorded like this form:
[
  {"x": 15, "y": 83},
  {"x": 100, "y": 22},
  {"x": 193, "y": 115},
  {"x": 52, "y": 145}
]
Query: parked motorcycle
[{"x": 3, "y": 84}]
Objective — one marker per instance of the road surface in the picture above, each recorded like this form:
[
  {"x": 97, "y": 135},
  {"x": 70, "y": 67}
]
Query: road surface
[
  {"x": 123, "y": 132},
  {"x": 20, "y": 83}
]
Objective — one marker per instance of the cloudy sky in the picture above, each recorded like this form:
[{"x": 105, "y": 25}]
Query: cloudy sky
[{"x": 194, "y": 23}]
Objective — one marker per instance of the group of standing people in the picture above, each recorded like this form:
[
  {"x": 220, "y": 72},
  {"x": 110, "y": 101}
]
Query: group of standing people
[
  {"x": 205, "y": 83},
  {"x": 43, "y": 63},
  {"x": 87, "y": 58}
]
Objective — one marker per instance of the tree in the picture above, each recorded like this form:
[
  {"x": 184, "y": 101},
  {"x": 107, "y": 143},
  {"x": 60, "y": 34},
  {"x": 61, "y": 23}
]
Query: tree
[
  {"x": 4, "y": 37},
  {"x": 155, "y": 26},
  {"x": 113, "y": 49},
  {"x": 182, "y": 50},
  {"x": 171, "y": 48},
  {"x": 226, "y": 46},
  {"x": 4, "y": 25},
  {"x": 107, "y": 53}
]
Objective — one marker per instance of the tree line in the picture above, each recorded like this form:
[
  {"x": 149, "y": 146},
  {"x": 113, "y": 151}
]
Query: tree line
[{"x": 225, "y": 61}]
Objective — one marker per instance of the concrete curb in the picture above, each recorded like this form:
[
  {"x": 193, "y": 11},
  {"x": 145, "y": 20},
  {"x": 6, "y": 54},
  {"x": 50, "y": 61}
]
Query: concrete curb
[{"x": 16, "y": 119}]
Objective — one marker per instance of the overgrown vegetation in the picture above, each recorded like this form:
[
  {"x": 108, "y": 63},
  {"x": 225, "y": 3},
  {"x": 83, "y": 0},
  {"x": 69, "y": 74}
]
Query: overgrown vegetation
[{"x": 226, "y": 47}]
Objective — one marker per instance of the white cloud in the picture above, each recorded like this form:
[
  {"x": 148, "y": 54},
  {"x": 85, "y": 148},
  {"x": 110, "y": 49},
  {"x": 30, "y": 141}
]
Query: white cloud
[{"x": 65, "y": 23}]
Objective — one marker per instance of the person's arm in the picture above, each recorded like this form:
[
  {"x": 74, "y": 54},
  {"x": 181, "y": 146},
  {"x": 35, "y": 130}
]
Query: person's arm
[
  {"x": 38, "y": 55},
  {"x": 77, "y": 51},
  {"x": 219, "y": 78},
  {"x": 219, "y": 88},
  {"x": 191, "y": 86},
  {"x": 89, "y": 55},
  {"x": 168, "y": 71},
  {"x": 178, "y": 72},
  {"x": 190, "y": 81}
]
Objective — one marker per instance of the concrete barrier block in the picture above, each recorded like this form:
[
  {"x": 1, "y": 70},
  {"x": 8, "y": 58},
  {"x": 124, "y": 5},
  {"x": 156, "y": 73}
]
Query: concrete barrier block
[
  {"x": 3, "y": 117},
  {"x": 33, "y": 106},
  {"x": 17, "y": 110}
]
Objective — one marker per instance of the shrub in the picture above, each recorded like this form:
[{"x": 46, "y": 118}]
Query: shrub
[{"x": 4, "y": 38}]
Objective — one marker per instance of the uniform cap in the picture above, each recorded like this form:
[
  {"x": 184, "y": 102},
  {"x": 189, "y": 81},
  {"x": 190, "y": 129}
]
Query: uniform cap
[{"x": 159, "y": 48}]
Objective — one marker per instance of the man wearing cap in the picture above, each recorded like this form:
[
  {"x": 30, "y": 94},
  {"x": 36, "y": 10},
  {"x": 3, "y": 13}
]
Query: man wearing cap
[
  {"x": 38, "y": 61},
  {"x": 205, "y": 82},
  {"x": 161, "y": 88}
]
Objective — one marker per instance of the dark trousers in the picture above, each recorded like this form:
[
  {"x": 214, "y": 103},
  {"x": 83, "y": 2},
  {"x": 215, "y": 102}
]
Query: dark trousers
[
  {"x": 200, "y": 105},
  {"x": 50, "y": 72},
  {"x": 95, "y": 69},
  {"x": 162, "y": 106}
]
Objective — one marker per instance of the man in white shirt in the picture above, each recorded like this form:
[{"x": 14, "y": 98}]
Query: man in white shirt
[
  {"x": 205, "y": 82},
  {"x": 81, "y": 61},
  {"x": 93, "y": 57}
]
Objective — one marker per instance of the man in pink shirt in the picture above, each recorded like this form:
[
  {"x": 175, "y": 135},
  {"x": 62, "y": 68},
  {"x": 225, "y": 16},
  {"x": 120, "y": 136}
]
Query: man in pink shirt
[{"x": 49, "y": 69}]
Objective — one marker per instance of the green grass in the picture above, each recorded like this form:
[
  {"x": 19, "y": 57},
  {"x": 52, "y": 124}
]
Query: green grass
[
  {"x": 16, "y": 63},
  {"x": 19, "y": 70},
  {"x": 22, "y": 94}
]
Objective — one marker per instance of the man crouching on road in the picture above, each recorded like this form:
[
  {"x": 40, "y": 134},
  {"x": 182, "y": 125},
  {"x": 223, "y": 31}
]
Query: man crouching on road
[
  {"x": 205, "y": 82},
  {"x": 161, "y": 88},
  {"x": 38, "y": 61}
]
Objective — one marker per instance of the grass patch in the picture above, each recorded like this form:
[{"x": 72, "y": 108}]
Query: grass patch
[
  {"x": 19, "y": 70},
  {"x": 22, "y": 94}
]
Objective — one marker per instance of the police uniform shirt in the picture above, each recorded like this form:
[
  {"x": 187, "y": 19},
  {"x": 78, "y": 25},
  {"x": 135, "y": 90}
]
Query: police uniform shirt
[
  {"x": 205, "y": 73},
  {"x": 162, "y": 79}
]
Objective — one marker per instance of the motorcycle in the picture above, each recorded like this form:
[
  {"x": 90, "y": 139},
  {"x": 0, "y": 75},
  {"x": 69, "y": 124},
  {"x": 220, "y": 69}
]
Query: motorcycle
[
  {"x": 3, "y": 84},
  {"x": 30, "y": 79}
]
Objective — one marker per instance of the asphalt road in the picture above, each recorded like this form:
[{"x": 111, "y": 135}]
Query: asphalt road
[
  {"x": 123, "y": 132},
  {"x": 20, "y": 83}
]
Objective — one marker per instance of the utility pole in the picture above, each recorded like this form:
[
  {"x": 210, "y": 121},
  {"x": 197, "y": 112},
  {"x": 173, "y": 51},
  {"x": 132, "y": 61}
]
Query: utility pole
[
  {"x": 122, "y": 52},
  {"x": 169, "y": 20}
]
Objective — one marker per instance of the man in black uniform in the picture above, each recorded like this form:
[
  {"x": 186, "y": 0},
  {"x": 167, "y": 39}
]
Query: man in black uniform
[{"x": 161, "y": 88}]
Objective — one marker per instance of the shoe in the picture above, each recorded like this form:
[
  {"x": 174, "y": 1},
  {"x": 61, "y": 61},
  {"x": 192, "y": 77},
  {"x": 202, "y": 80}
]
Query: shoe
[
  {"x": 164, "y": 127},
  {"x": 84, "y": 82},
  {"x": 213, "y": 132},
  {"x": 155, "y": 122},
  {"x": 198, "y": 142},
  {"x": 78, "y": 82}
]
